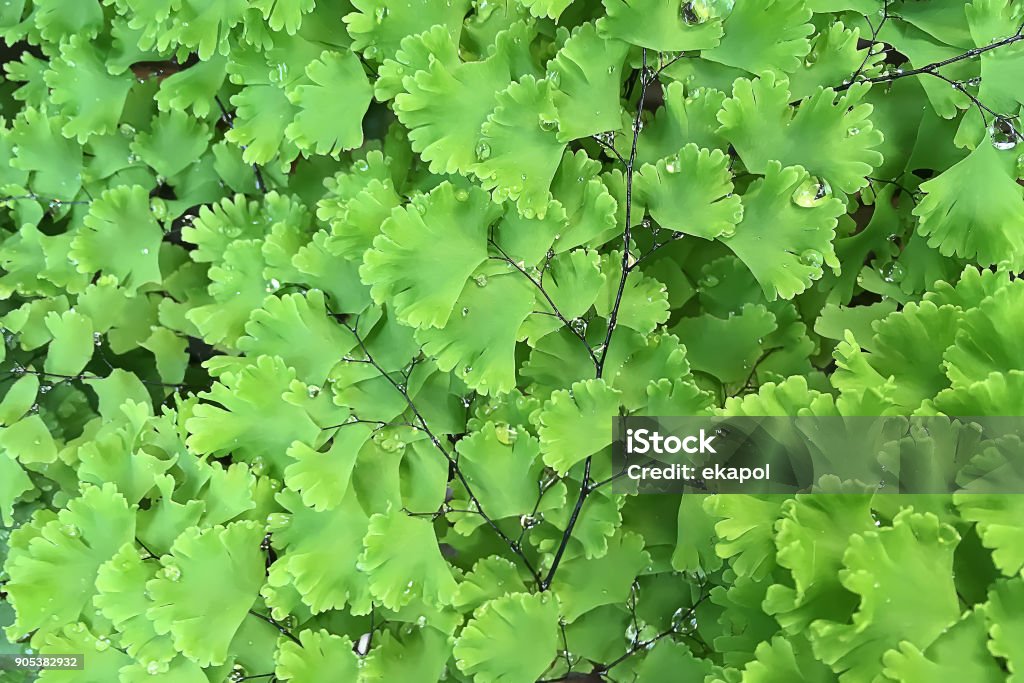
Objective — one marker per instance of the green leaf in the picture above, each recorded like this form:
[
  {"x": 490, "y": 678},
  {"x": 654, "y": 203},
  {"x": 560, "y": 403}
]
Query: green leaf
[
  {"x": 970, "y": 209},
  {"x": 762, "y": 36},
  {"x": 782, "y": 242},
  {"x": 52, "y": 582},
  {"x": 916, "y": 550},
  {"x": 960, "y": 651},
  {"x": 239, "y": 418},
  {"x": 91, "y": 99},
  {"x": 838, "y": 138},
  {"x": 378, "y": 27},
  {"x": 519, "y": 149},
  {"x": 403, "y": 562},
  {"x": 209, "y": 582},
  {"x": 658, "y": 25},
  {"x": 172, "y": 142},
  {"x": 502, "y": 468},
  {"x": 447, "y": 102},
  {"x": 587, "y": 73},
  {"x": 585, "y": 584},
  {"x": 72, "y": 346},
  {"x": 478, "y": 343},
  {"x": 400, "y": 266},
  {"x": 490, "y": 648},
  {"x": 691, "y": 192},
  {"x": 1002, "y": 612},
  {"x": 318, "y": 656},
  {"x": 121, "y": 598},
  {"x": 306, "y": 544},
  {"x": 998, "y": 519},
  {"x": 257, "y": 128},
  {"x": 286, "y": 326},
  {"x": 13, "y": 483},
  {"x": 331, "y": 110},
  {"x": 576, "y": 423},
  {"x": 120, "y": 238},
  {"x": 284, "y": 14}
]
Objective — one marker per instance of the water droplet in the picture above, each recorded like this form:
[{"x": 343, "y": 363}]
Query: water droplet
[
  {"x": 505, "y": 433},
  {"x": 850, "y": 132},
  {"x": 465, "y": 312},
  {"x": 554, "y": 78},
  {"x": 312, "y": 391},
  {"x": 371, "y": 52},
  {"x": 1003, "y": 135},
  {"x": 579, "y": 325},
  {"x": 812, "y": 258},
  {"x": 278, "y": 520},
  {"x": 172, "y": 573},
  {"x": 71, "y": 530},
  {"x": 483, "y": 150},
  {"x": 480, "y": 280},
  {"x": 381, "y": 14},
  {"x": 363, "y": 644},
  {"x": 273, "y": 285},
  {"x": 893, "y": 272},
  {"x": 258, "y": 465},
  {"x": 672, "y": 166},
  {"x": 812, "y": 192},
  {"x": 548, "y": 125},
  {"x": 708, "y": 282},
  {"x": 102, "y": 644},
  {"x": 461, "y": 195},
  {"x": 467, "y": 369},
  {"x": 529, "y": 521},
  {"x": 645, "y": 224}
]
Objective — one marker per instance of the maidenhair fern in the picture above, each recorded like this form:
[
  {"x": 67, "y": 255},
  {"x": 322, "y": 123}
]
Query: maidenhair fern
[{"x": 317, "y": 313}]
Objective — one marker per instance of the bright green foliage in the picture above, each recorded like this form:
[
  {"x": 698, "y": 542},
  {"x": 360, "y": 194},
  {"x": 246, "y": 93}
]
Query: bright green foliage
[{"x": 316, "y": 314}]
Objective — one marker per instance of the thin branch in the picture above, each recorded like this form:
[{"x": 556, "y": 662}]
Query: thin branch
[
  {"x": 276, "y": 624},
  {"x": 585, "y": 485},
  {"x": 644, "y": 644},
  {"x": 453, "y": 462},
  {"x": 229, "y": 119},
  {"x": 934, "y": 66},
  {"x": 547, "y": 297},
  {"x": 875, "y": 30}
]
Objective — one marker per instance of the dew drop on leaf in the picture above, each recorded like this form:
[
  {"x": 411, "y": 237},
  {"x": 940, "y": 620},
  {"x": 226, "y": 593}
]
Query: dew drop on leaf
[
  {"x": 812, "y": 258},
  {"x": 172, "y": 573},
  {"x": 278, "y": 520},
  {"x": 893, "y": 272},
  {"x": 483, "y": 150},
  {"x": 812, "y": 192},
  {"x": 1003, "y": 135},
  {"x": 480, "y": 280},
  {"x": 505, "y": 433}
]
